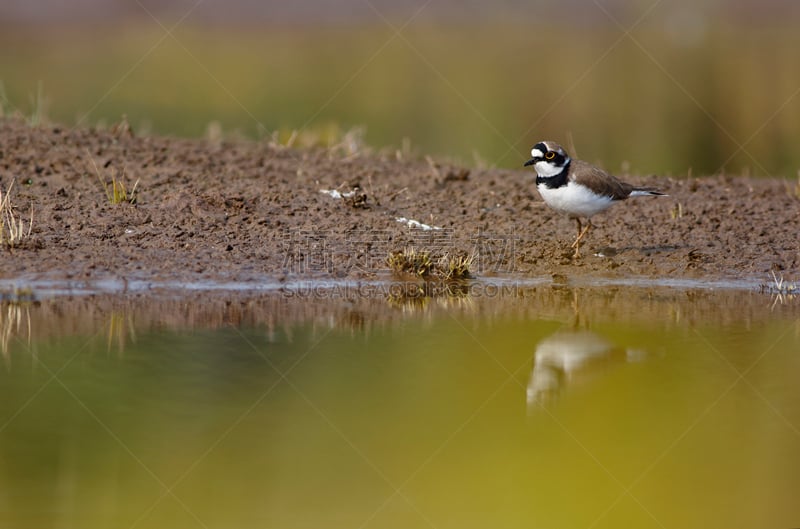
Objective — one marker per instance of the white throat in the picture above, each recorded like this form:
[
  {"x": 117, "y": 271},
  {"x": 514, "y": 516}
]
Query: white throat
[{"x": 547, "y": 169}]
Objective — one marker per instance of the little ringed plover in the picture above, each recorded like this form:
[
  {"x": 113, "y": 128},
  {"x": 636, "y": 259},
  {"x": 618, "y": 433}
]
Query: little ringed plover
[{"x": 577, "y": 188}]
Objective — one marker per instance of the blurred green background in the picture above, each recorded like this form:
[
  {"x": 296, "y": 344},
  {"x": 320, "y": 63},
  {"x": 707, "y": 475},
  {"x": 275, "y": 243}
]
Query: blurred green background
[{"x": 644, "y": 87}]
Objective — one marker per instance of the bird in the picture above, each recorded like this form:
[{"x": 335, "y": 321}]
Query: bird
[{"x": 578, "y": 188}]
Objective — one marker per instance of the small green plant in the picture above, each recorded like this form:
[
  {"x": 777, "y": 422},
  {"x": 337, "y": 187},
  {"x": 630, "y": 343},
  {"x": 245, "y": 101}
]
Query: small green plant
[
  {"x": 116, "y": 191},
  {"x": 12, "y": 228},
  {"x": 677, "y": 211}
]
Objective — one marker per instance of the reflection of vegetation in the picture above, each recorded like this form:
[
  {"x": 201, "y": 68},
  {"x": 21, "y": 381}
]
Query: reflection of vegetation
[
  {"x": 120, "y": 331},
  {"x": 14, "y": 313},
  {"x": 412, "y": 295},
  {"x": 688, "y": 104}
]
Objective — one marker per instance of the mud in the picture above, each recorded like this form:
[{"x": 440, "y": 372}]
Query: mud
[{"x": 256, "y": 211}]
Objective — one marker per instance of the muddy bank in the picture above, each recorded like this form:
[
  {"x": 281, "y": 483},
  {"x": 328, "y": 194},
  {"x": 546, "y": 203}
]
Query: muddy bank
[{"x": 246, "y": 211}]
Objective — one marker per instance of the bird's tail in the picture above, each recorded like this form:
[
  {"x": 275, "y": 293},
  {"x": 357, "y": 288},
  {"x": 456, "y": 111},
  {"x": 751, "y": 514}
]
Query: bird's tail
[{"x": 646, "y": 191}]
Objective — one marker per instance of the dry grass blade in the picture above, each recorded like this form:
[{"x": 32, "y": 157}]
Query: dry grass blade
[{"x": 12, "y": 228}]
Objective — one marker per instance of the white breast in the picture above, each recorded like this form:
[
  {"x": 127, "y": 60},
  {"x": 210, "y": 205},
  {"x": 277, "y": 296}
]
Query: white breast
[{"x": 574, "y": 199}]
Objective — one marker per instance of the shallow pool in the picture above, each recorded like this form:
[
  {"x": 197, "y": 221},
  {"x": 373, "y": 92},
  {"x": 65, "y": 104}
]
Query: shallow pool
[{"x": 547, "y": 406}]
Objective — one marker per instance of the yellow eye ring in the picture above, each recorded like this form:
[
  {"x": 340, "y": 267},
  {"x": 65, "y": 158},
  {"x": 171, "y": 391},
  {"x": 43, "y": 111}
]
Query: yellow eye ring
[{"x": 550, "y": 155}]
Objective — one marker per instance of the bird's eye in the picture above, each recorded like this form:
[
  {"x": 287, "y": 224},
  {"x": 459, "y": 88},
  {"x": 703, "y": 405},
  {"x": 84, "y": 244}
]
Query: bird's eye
[{"x": 550, "y": 155}]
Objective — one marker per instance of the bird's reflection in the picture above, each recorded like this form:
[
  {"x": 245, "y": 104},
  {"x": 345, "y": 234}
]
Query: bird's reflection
[{"x": 568, "y": 357}]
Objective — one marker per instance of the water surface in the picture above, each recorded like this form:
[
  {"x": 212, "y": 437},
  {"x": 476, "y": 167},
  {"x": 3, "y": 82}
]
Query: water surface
[{"x": 549, "y": 407}]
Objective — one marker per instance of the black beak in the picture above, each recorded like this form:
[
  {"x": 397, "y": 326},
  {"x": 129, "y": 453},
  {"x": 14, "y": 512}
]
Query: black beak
[{"x": 530, "y": 162}]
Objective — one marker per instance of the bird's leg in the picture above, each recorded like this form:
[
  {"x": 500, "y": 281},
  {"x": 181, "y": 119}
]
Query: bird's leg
[
  {"x": 585, "y": 230},
  {"x": 581, "y": 233},
  {"x": 576, "y": 244},
  {"x": 578, "y": 233}
]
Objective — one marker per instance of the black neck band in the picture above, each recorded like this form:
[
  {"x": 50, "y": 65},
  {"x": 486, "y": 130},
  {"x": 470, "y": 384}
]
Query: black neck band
[{"x": 557, "y": 180}]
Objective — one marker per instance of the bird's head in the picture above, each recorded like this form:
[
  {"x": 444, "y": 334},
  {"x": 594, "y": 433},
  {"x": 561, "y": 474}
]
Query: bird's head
[{"x": 548, "y": 158}]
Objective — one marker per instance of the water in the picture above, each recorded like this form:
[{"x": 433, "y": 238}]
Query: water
[{"x": 549, "y": 407}]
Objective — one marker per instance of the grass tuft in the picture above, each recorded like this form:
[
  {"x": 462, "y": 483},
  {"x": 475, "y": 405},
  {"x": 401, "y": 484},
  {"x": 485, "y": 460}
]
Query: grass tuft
[
  {"x": 116, "y": 192},
  {"x": 421, "y": 264},
  {"x": 781, "y": 286},
  {"x": 455, "y": 267},
  {"x": 329, "y": 136},
  {"x": 40, "y": 105},
  {"x": 410, "y": 261},
  {"x": 793, "y": 187},
  {"x": 4, "y": 104},
  {"x": 797, "y": 186},
  {"x": 783, "y": 291},
  {"x": 12, "y": 228}
]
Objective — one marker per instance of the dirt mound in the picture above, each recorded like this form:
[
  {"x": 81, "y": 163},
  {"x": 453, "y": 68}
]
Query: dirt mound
[{"x": 244, "y": 211}]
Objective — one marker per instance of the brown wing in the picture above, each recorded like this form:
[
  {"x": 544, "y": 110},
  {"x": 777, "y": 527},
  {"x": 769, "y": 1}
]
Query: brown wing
[{"x": 599, "y": 181}]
